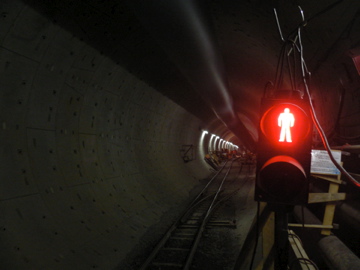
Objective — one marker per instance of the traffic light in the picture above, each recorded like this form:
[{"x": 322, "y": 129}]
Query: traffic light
[{"x": 284, "y": 151}]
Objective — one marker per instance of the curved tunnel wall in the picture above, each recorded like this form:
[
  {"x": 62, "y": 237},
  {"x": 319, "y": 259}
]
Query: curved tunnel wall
[{"x": 91, "y": 156}]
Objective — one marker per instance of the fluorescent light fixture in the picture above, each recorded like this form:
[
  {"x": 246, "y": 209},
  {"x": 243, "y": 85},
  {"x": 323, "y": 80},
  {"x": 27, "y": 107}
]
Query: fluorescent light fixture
[{"x": 216, "y": 138}]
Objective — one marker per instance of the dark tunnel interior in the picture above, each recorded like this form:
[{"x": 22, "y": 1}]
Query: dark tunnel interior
[{"x": 100, "y": 99}]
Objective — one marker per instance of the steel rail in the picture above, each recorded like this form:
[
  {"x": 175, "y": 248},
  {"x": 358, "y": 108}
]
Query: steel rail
[
  {"x": 201, "y": 229},
  {"x": 175, "y": 225}
]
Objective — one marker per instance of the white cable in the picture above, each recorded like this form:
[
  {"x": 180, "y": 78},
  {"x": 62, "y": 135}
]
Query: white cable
[{"x": 314, "y": 117}]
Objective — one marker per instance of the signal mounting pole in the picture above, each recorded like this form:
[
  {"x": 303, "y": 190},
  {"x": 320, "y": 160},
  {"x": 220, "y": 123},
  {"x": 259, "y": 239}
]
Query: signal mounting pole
[{"x": 281, "y": 242}]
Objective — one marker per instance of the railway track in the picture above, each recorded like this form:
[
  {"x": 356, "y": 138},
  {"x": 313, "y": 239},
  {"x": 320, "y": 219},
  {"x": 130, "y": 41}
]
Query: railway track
[{"x": 176, "y": 250}]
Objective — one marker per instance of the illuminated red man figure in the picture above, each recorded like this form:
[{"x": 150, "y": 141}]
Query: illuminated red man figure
[{"x": 286, "y": 120}]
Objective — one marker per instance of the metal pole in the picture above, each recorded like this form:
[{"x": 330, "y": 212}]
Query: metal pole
[{"x": 281, "y": 238}]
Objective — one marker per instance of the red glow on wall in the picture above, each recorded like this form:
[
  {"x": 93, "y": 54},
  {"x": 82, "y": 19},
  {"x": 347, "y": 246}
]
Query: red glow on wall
[{"x": 356, "y": 60}]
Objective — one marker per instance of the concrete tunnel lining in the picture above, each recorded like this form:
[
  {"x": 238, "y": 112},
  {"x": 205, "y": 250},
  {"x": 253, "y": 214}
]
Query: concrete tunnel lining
[{"x": 91, "y": 154}]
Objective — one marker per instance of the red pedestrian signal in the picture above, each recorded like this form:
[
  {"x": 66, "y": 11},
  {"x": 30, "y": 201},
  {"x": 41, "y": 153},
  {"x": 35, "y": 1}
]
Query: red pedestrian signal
[
  {"x": 286, "y": 121},
  {"x": 284, "y": 151}
]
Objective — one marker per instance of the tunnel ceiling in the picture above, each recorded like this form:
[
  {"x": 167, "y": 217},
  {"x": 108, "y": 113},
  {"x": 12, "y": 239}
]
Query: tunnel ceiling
[{"x": 215, "y": 57}]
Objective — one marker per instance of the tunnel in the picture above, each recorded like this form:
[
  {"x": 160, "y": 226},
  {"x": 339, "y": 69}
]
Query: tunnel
[{"x": 108, "y": 109}]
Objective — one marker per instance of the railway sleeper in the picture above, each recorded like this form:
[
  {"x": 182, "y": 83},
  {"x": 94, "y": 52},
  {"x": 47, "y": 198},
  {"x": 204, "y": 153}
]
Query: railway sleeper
[
  {"x": 165, "y": 266},
  {"x": 181, "y": 243},
  {"x": 171, "y": 257},
  {"x": 221, "y": 223}
]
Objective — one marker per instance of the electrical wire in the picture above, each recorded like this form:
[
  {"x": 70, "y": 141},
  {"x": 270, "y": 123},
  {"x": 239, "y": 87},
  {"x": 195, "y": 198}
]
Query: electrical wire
[
  {"x": 288, "y": 48},
  {"x": 305, "y": 72},
  {"x": 299, "y": 249},
  {"x": 305, "y": 22},
  {"x": 294, "y": 63},
  {"x": 296, "y": 236},
  {"x": 279, "y": 69},
  {"x": 314, "y": 117},
  {"x": 323, "y": 11},
  {"x": 292, "y": 78},
  {"x": 278, "y": 24}
]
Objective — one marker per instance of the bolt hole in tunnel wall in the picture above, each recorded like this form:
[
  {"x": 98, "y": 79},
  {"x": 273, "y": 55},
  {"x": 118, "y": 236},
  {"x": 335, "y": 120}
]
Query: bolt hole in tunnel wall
[{"x": 90, "y": 154}]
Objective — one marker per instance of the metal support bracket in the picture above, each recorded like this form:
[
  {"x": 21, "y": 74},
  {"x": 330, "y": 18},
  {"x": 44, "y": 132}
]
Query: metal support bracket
[{"x": 188, "y": 153}]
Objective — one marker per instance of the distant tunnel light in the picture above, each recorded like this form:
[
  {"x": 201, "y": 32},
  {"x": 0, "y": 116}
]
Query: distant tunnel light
[
  {"x": 211, "y": 138},
  {"x": 216, "y": 138},
  {"x": 202, "y": 137},
  {"x": 201, "y": 143},
  {"x": 219, "y": 145},
  {"x": 227, "y": 145}
]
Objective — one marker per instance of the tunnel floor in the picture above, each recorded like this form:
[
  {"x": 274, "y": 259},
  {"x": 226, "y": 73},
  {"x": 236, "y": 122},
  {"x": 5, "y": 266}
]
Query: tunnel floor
[{"x": 220, "y": 245}]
